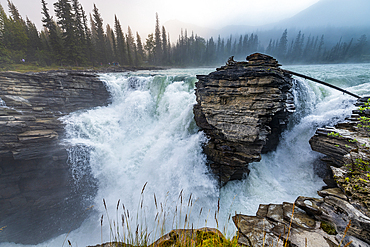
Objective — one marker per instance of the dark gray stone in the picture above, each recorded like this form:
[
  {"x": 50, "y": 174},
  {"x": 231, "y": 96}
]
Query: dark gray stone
[{"x": 37, "y": 197}]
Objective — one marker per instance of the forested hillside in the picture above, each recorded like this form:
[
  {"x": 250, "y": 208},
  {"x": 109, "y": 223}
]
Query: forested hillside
[{"x": 75, "y": 38}]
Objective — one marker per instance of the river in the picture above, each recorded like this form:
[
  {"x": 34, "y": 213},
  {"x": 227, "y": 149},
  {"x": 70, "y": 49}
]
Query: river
[{"x": 143, "y": 153}]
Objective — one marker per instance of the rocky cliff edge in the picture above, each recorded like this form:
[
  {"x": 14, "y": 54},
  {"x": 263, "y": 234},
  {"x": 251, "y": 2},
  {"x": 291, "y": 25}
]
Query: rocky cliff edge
[{"x": 36, "y": 184}]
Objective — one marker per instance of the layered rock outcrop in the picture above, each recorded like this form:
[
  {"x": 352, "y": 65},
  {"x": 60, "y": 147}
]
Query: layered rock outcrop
[
  {"x": 36, "y": 184},
  {"x": 242, "y": 107},
  {"x": 347, "y": 150},
  {"x": 342, "y": 215}
]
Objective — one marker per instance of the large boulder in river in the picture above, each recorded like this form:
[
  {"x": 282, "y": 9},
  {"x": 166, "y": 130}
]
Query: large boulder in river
[{"x": 242, "y": 107}]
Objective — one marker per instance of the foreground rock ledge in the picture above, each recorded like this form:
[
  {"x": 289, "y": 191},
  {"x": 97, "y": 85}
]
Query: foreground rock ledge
[
  {"x": 36, "y": 184},
  {"x": 242, "y": 107},
  {"x": 314, "y": 222}
]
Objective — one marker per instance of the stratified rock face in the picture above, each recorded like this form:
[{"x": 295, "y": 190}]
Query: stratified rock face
[
  {"x": 242, "y": 107},
  {"x": 347, "y": 146},
  {"x": 36, "y": 185}
]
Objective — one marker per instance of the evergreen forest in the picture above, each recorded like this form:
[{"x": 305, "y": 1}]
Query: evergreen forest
[{"x": 75, "y": 38}]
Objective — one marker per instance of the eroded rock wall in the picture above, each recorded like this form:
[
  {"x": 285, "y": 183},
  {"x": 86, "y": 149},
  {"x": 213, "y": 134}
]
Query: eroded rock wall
[
  {"x": 341, "y": 216},
  {"x": 242, "y": 107},
  {"x": 36, "y": 184},
  {"x": 347, "y": 150}
]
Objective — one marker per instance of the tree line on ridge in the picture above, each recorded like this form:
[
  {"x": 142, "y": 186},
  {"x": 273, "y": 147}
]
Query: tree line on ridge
[{"x": 74, "y": 38}]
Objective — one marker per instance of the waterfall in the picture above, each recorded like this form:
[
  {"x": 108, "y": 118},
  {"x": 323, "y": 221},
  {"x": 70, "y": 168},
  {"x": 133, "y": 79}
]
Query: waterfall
[
  {"x": 146, "y": 136},
  {"x": 145, "y": 152}
]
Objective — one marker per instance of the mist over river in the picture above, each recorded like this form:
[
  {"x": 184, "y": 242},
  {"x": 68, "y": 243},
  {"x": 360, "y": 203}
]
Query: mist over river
[{"x": 147, "y": 137}]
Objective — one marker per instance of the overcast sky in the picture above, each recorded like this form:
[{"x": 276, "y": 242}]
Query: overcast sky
[{"x": 140, "y": 14}]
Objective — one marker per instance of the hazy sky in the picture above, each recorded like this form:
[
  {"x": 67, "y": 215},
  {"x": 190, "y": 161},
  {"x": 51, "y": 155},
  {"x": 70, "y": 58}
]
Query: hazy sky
[{"x": 140, "y": 14}]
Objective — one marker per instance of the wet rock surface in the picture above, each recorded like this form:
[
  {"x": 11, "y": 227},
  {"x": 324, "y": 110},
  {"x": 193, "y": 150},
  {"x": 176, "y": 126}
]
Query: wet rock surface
[
  {"x": 242, "y": 107},
  {"x": 341, "y": 215},
  {"x": 36, "y": 184},
  {"x": 347, "y": 146}
]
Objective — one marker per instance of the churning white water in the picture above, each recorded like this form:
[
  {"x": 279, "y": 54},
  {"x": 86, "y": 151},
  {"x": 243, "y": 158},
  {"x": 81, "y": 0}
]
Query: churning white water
[{"x": 147, "y": 137}]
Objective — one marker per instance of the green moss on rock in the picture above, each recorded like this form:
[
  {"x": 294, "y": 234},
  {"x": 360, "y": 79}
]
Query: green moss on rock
[{"x": 328, "y": 228}]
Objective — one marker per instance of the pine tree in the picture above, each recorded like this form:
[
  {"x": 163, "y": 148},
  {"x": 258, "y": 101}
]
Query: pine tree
[
  {"x": 140, "y": 50},
  {"x": 359, "y": 50},
  {"x": 14, "y": 13},
  {"x": 269, "y": 49},
  {"x": 15, "y": 37},
  {"x": 169, "y": 48},
  {"x": 245, "y": 45},
  {"x": 253, "y": 43},
  {"x": 110, "y": 44},
  {"x": 158, "y": 51},
  {"x": 314, "y": 50},
  {"x": 308, "y": 50},
  {"x": 199, "y": 51},
  {"x": 211, "y": 52},
  {"x": 228, "y": 47},
  {"x": 98, "y": 35},
  {"x": 94, "y": 39},
  {"x": 239, "y": 50},
  {"x": 54, "y": 41},
  {"x": 234, "y": 48},
  {"x": 121, "y": 44},
  {"x": 165, "y": 57},
  {"x": 320, "y": 50},
  {"x": 34, "y": 45},
  {"x": 220, "y": 49},
  {"x": 81, "y": 41},
  {"x": 283, "y": 46},
  {"x": 89, "y": 49},
  {"x": 297, "y": 47},
  {"x": 131, "y": 47},
  {"x": 149, "y": 47},
  {"x": 4, "y": 52},
  {"x": 114, "y": 45},
  {"x": 63, "y": 11}
]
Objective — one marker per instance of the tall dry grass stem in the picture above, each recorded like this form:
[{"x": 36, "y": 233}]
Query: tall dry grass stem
[
  {"x": 290, "y": 226},
  {"x": 133, "y": 229},
  {"x": 344, "y": 235}
]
